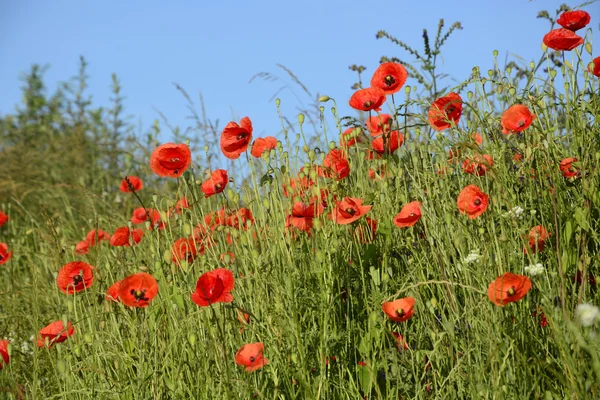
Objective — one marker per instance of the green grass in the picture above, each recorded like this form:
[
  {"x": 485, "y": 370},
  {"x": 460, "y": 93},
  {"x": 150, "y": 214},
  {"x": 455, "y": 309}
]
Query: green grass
[{"x": 315, "y": 297}]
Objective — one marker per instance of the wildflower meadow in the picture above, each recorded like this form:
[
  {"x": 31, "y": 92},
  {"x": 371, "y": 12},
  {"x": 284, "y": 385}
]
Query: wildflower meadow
[{"x": 442, "y": 244}]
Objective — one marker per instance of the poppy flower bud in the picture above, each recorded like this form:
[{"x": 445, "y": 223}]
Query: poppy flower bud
[{"x": 324, "y": 99}]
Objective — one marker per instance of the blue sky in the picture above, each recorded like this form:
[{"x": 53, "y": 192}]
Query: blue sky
[{"x": 216, "y": 47}]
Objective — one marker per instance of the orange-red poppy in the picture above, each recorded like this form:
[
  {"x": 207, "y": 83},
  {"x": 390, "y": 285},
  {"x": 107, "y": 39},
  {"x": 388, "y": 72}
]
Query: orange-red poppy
[
  {"x": 567, "y": 168},
  {"x": 140, "y": 215},
  {"x": 478, "y": 164},
  {"x": 82, "y": 247},
  {"x": 388, "y": 143},
  {"x": 389, "y": 77},
  {"x": 131, "y": 184},
  {"x": 112, "y": 293},
  {"x": 516, "y": 119},
  {"x": 367, "y": 99},
  {"x": 216, "y": 183},
  {"x": 297, "y": 186},
  {"x": 508, "y": 288},
  {"x": 227, "y": 258},
  {"x": 138, "y": 290},
  {"x": 171, "y": 160},
  {"x": 186, "y": 249},
  {"x": 472, "y": 201},
  {"x": 377, "y": 173},
  {"x": 335, "y": 165},
  {"x": 594, "y": 69},
  {"x": 236, "y": 138},
  {"x": 399, "y": 310},
  {"x": 55, "y": 332},
  {"x": 351, "y": 136},
  {"x": 574, "y": 20},
  {"x": 75, "y": 277},
  {"x": 366, "y": 233},
  {"x": 349, "y": 210},
  {"x": 261, "y": 145},
  {"x": 241, "y": 218},
  {"x": 95, "y": 236},
  {"x": 379, "y": 124},
  {"x": 477, "y": 138},
  {"x": 445, "y": 111},
  {"x": 244, "y": 320},
  {"x": 536, "y": 238},
  {"x": 562, "y": 39},
  {"x": 125, "y": 237},
  {"x": 400, "y": 342},
  {"x": 409, "y": 215},
  {"x": 214, "y": 287},
  {"x": 4, "y": 356},
  {"x": 178, "y": 207},
  {"x": 4, "y": 253},
  {"x": 251, "y": 357},
  {"x": 302, "y": 215},
  {"x": 3, "y": 218}
]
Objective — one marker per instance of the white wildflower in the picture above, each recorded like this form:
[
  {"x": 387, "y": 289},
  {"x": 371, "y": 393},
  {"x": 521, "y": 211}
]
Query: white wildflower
[
  {"x": 473, "y": 257},
  {"x": 515, "y": 213},
  {"x": 587, "y": 314},
  {"x": 535, "y": 269}
]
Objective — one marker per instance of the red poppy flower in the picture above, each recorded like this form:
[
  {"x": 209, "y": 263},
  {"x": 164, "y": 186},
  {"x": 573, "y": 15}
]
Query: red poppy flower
[
  {"x": 478, "y": 165},
  {"x": 361, "y": 364},
  {"x": 134, "y": 184},
  {"x": 402, "y": 345},
  {"x": 4, "y": 253},
  {"x": 75, "y": 277},
  {"x": 409, "y": 215},
  {"x": 508, "y": 288},
  {"x": 367, "y": 99},
  {"x": 399, "y": 310},
  {"x": 302, "y": 216},
  {"x": 186, "y": 249},
  {"x": 390, "y": 77},
  {"x": 392, "y": 142},
  {"x": 251, "y": 357},
  {"x": 236, "y": 138},
  {"x": 537, "y": 237},
  {"x": 574, "y": 20},
  {"x": 445, "y": 111},
  {"x": 516, "y": 119},
  {"x": 567, "y": 168},
  {"x": 95, "y": 236},
  {"x": 562, "y": 39},
  {"x": 178, "y": 207},
  {"x": 112, "y": 293},
  {"x": 372, "y": 155},
  {"x": 297, "y": 186},
  {"x": 140, "y": 215},
  {"x": 240, "y": 219},
  {"x": 335, "y": 165},
  {"x": 227, "y": 258},
  {"x": 244, "y": 320},
  {"x": 350, "y": 136},
  {"x": 472, "y": 201},
  {"x": 594, "y": 68},
  {"x": 261, "y": 145},
  {"x": 216, "y": 183},
  {"x": 171, "y": 160},
  {"x": 366, "y": 233},
  {"x": 348, "y": 210},
  {"x": 55, "y": 332},
  {"x": 379, "y": 124},
  {"x": 3, "y": 218},
  {"x": 138, "y": 290},
  {"x": 4, "y": 353},
  {"x": 124, "y": 237},
  {"x": 477, "y": 138},
  {"x": 82, "y": 247},
  {"x": 214, "y": 287}
]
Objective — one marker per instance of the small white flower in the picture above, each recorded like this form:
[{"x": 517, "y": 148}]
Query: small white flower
[
  {"x": 515, "y": 213},
  {"x": 473, "y": 257},
  {"x": 535, "y": 269},
  {"x": 587, "y": 314}
]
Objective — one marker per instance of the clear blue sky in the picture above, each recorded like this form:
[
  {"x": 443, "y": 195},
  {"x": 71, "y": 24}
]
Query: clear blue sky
[{"x": 216, "y": 47}]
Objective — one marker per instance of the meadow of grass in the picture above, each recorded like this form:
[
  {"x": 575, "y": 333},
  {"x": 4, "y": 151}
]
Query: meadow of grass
[{"x": 311, "y": 289}]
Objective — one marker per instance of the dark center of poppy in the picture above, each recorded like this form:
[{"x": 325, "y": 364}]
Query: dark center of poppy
[
  {"x": 140, "y": 295},
  {"x": 451, "y": 109},
  {"x": 252, "y": 359},
  {"x": 411, "y": 215},
  {"x": 389, "y": 80},
  {"x": 511, "y": 291},
  {"x": 241, "y": 136},
  {"x": 174, "y": 159},
  {"x": 350, "y": 211},
  {"x": 1, "y": 257},
  {"x": 400, "y": 312},
  {"x": 77, "y": 279},
  {"x": 521, "y": 123},
  {"x": 218, "y": 186},
  {"x": 477, "y": 202},
  {"x": 368, "y": 104}
]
